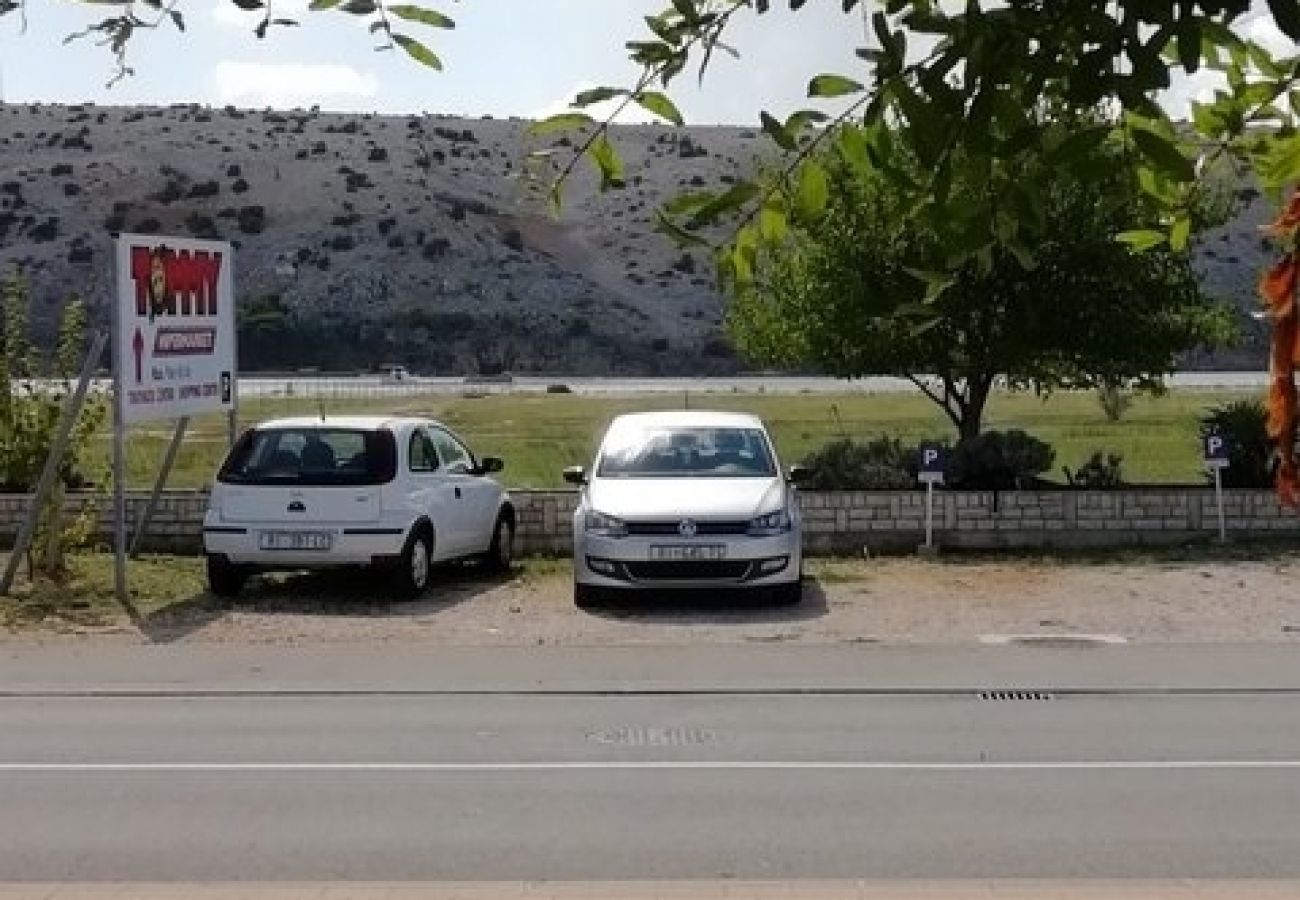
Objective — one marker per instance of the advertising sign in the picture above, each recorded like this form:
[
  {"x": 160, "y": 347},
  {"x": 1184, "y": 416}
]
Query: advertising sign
[{"x": 175, "y": 327}]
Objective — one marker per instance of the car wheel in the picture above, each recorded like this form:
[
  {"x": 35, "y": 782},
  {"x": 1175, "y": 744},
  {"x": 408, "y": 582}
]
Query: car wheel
[
  {"x": 501, "y": 554},
  {"x": 411, "y": 577},
  {"x": 585, "y": 596},
  {"x": 788, "y": 594},
  {"x": 225, "y": 579}
]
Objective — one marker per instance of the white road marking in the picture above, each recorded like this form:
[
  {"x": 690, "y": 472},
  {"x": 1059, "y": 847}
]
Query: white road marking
[{"x": 652, "y": 766}]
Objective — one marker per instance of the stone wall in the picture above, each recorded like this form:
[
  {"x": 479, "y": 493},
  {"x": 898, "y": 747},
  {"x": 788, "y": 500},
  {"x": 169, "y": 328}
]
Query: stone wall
[{"x": 844, "y": 522}]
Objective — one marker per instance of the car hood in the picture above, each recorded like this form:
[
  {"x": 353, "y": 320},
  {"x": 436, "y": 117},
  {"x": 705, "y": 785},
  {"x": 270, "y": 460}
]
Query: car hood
[{"x": 727, "y": 499}]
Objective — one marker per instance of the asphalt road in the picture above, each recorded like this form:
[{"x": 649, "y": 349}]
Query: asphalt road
[{"x": 239, "y": 775}]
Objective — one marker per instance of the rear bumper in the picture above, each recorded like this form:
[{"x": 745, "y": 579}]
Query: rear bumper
[{"x": 349, "y": 545}]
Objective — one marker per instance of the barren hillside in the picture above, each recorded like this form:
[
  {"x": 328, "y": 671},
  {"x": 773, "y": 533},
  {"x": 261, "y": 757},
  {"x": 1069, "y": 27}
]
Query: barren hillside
[{"x": 373, "y": 239}]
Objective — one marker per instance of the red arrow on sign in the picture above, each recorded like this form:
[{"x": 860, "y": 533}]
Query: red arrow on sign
[{"x": 138, "y": 346}]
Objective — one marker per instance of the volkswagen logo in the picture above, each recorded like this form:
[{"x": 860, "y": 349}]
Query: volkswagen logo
[{"x": 687, "y": 528}]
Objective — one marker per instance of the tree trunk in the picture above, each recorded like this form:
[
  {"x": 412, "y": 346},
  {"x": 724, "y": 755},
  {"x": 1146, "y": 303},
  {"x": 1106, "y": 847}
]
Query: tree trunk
[{"x": 972, "y": 418}]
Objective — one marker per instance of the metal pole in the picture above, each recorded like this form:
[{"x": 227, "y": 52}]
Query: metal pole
[
  {"x": 63, "y": 431},
  {"x": 929, "y": 514},
  {"x": 119, "y": 477},
  {"x": 169, "y": 460},
  {"x": 1218, "y": 499}
]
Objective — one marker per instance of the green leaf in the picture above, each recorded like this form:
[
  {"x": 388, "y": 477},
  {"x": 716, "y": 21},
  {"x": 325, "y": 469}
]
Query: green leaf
[
  {"x": 935, "y": 283},
  {"x": 597, "y": 95},
  {"x": 1164, "y": 154},
  {"x": 1142, "y": 240},
  {"x": 248, "y": 5},
  {"x": 814, "y": 191},
  {"x": 607, "y": 162},
  {"x": 659, "y": 104},
  {"x": 852, "y": 146},
  {"x": 665, "y": 225},
  {"x": 560, "y": 122},
  {"x": 423, "y": 16},
  {"x": 1280, "y": 163},
  {"x": 318, "y": 5},
  {"x": 418, "y": 51},
  {"x": 1180, "y": 233},
  {"x": 732, "y": 199},
  {"x": 833, "y": 86},
  {"x": 359, "y": 7},
  {"x": 777, "y": 132},
  {"x": 772, "y": 224}
]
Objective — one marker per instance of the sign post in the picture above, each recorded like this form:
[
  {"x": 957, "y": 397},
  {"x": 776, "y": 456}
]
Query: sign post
[
  {"x": 173, "y": 348},
  {"x": 1216, "y": 449},
  {"x": 930, "y": 473}
]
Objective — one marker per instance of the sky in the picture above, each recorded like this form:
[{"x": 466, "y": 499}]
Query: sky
[{"x": 505, "y": 58}]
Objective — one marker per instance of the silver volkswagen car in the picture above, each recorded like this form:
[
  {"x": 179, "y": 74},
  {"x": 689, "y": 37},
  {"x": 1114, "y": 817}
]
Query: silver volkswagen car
[{"x": 686, "y": 500}]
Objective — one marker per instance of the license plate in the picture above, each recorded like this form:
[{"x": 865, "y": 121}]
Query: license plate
[
  {"x": 689, "y": 551},
  {"x": 296, "y": 540}
]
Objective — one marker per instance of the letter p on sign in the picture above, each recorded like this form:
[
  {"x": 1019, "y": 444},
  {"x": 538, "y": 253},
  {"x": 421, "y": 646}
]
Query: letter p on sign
[
  {"x": 1216, "y": 451},
  {"x": 932, "y": 464}
]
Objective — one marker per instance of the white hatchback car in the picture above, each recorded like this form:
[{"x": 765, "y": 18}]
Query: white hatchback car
[
  {"x": 395, "y": 493},
  {"x": 686, "y": 500}
]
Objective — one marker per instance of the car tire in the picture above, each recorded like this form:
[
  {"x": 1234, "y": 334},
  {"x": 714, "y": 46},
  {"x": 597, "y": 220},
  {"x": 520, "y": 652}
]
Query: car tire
[
  {"x": 411, "y": 577},
  {"x": 788, "y": 594},
  {"x": 501, "y": 552},
  {"x": 225, "y": 579},
  {"x": 585, "y": 596}
]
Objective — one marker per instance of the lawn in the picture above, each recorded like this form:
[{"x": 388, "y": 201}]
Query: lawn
[{"x": 540, "y": 434}]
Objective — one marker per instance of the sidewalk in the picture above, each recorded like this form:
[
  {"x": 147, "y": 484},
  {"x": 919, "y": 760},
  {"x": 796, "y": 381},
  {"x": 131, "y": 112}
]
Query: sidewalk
[{"x": 678, "y": 890}]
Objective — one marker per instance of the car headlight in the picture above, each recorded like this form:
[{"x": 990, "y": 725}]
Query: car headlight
[
  {"x": 605, "y": 526},
  {"x": 773, "y": 523}
]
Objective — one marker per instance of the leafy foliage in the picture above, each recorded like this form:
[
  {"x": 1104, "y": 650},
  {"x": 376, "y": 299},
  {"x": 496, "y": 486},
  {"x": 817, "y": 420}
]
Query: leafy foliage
[
  {"x": 29, "y": 415},
  {"x": 1100, "y": 472},
  {"x": 1243, "y": 424},
  {"x": 999, "y": 461},
  {"x": 862, "y": 287},
  {"x": 882, "y": 464},
  {"x": 1114, "y": 399}
]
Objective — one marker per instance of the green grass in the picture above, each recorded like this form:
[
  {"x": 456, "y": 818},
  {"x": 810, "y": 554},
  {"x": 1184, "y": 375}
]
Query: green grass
[{"x": 540, "y": 434}]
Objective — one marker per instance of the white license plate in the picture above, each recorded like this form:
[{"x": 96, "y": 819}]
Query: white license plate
[
  {"x": 689, "y": 551},
  {"x": 296, "y": 540}
]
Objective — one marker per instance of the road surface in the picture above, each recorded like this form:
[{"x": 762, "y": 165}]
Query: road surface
[{"x": 277, "y": 765}]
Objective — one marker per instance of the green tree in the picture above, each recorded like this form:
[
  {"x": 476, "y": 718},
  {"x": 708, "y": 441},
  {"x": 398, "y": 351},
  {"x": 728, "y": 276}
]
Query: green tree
[
  {"x": 32, "y": 393},
  {"x": 839, "y": 292}
]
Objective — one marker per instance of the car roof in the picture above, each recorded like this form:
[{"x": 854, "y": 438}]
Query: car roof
[
  {"x": 352, "y": 423},
  {"x": 688, "y": 418}
]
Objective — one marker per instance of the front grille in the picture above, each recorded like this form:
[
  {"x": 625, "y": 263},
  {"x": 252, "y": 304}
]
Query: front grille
[
  {"x": 701, "y": 528},
  {"x": 688, "y": 570}
]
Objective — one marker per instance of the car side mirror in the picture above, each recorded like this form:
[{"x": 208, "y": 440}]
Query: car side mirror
[
  {"x": 489, "y": 464},
  {"x": 799, "y": 474},
  {"x": 575, "y": 475}
]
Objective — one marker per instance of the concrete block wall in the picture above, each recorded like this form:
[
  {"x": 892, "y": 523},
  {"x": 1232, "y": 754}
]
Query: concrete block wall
[{"x": 838, "y": 522}]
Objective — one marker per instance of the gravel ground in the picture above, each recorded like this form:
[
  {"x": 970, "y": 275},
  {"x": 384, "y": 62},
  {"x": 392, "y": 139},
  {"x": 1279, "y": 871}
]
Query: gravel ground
[{"x": 952, "y": 600}]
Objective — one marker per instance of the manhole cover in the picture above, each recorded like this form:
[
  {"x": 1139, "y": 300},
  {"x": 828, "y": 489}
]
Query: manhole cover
[
  {"x": 1015, "y": 695},
  {"x": 636, "y": 736}
]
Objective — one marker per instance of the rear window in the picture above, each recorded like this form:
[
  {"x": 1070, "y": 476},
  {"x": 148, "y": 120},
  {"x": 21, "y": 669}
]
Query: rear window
[{"x": 311, "y": 456}]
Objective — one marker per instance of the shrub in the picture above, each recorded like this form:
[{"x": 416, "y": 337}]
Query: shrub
[
  {"x": 1114, "y": 400},
  {"x": 1000, "y": 461},
  {"x": 883, "y": 464},
  {"x": 1244, "y": 424},
  {"x": 558, "y": 389},
  {"x": 1100, "y": 472}
]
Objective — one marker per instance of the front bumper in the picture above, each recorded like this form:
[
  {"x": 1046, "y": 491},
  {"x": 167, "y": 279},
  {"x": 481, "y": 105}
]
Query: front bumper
[{"x": 630, "y": 563}]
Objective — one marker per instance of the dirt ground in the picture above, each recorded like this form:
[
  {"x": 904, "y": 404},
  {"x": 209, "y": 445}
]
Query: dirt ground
[{"x": 897, "y": 600}]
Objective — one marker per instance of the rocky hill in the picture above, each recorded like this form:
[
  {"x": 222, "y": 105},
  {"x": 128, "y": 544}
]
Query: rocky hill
[{"x": 366, "y": 239}]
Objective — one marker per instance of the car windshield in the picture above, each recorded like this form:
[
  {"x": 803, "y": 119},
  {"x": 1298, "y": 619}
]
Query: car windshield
[
  {"x": 311, "y": 456},
  {"x": 674, "y": 452}
]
